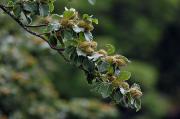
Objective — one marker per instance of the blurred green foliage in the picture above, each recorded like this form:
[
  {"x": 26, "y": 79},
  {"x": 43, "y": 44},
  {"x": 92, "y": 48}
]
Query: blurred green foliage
[{"x": 136, "y": 28}]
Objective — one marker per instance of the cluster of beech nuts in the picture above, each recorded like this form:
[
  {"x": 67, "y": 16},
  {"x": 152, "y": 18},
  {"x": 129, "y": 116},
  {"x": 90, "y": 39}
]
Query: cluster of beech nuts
[
  {"x": 88, "y": 47},
  {"x": 74, "y": 20},
  {"x": 116, "y": 59},
  {"x": 133, "y": 90},
  {"x": 86, "y": 25}
]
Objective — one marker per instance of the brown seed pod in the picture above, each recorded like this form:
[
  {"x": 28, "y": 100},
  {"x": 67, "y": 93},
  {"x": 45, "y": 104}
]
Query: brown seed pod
[
  {"x": 116, "y": 83},
  {"x": 135, "y": 92},
  {"x": 84, "y": 44},
  {"x": 109, "y": 59},
  {"x": 103, "y": 52},
  {"x": 90, "y": 27},
  {"x": 70, "y": 23},
  {"x": 112, "y": 78},
  {"x": 89, "y": 50},
  {"x": 82, "y": 23},
  {"x": 117, "y": 56},
  {"x": 93, "y": 44},
  {"x": 120, "y": 62},
  {"x": 86, "y": 25},
  {"x": 66, "y": 22}
]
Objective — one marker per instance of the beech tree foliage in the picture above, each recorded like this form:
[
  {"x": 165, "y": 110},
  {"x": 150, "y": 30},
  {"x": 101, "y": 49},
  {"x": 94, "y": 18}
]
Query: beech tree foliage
[{"x": 70, "y": 34}]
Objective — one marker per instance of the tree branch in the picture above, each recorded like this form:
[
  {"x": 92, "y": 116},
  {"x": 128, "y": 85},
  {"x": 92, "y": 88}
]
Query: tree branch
[
  {"x": 26, "y": 29},
  {"x": 35, "y": 26}
]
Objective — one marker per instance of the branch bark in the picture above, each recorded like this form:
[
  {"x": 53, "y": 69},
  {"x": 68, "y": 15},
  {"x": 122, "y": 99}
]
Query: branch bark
[{"x": 36, "y": 26}]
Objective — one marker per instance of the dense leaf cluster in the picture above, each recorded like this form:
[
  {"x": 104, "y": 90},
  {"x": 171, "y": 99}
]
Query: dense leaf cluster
[{"x": 71, "y": 35}]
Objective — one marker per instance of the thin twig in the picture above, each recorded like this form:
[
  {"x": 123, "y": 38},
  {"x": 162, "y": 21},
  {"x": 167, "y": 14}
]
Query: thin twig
[
  {"x": 35, "y": 26},
  {"x": 28, "y": 30}
]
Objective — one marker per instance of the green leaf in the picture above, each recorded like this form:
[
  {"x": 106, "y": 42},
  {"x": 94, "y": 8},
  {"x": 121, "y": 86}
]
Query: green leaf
[
  {"x": 74, "y": 57},
  {"x": 17, "y": 11},
  {"x": 51, "y": 6},
  {"x": 117, "y": 97},
  {"x": 71, "y": 43},
  {"x": 70, "y": 49},
  {"x": 95, "y": 85},
  {"x": 137, "y": 104},
  {"x": 80, "y": 60},
  {"x": 81, "y": 36},
  {"x": 89, "y": 18},
  {"x": 29, "y": 19},
  {"x": 56, "y": 17},
  {"x": 69, "y": 40},
  {"x": 124, "y": 75},
  {"x": 86, "y": 16},
  {"x": 10, "y": 3},
  {"x": 67, "y": 35},
  {"x": 88, "y": 65},
  {"x": 96, "y": 21},
  {"x": 53, "y": 26},
  {"x": 43, "y": 10},
  {"x": 103, "y": 67},
  {"x": 53, "y": 40},
  {"x": 68, "y": 14},
  {"x": 105, "y": 89},
  {"x": 110, "y": 49},
  {"x": 31, "y": 7}
]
